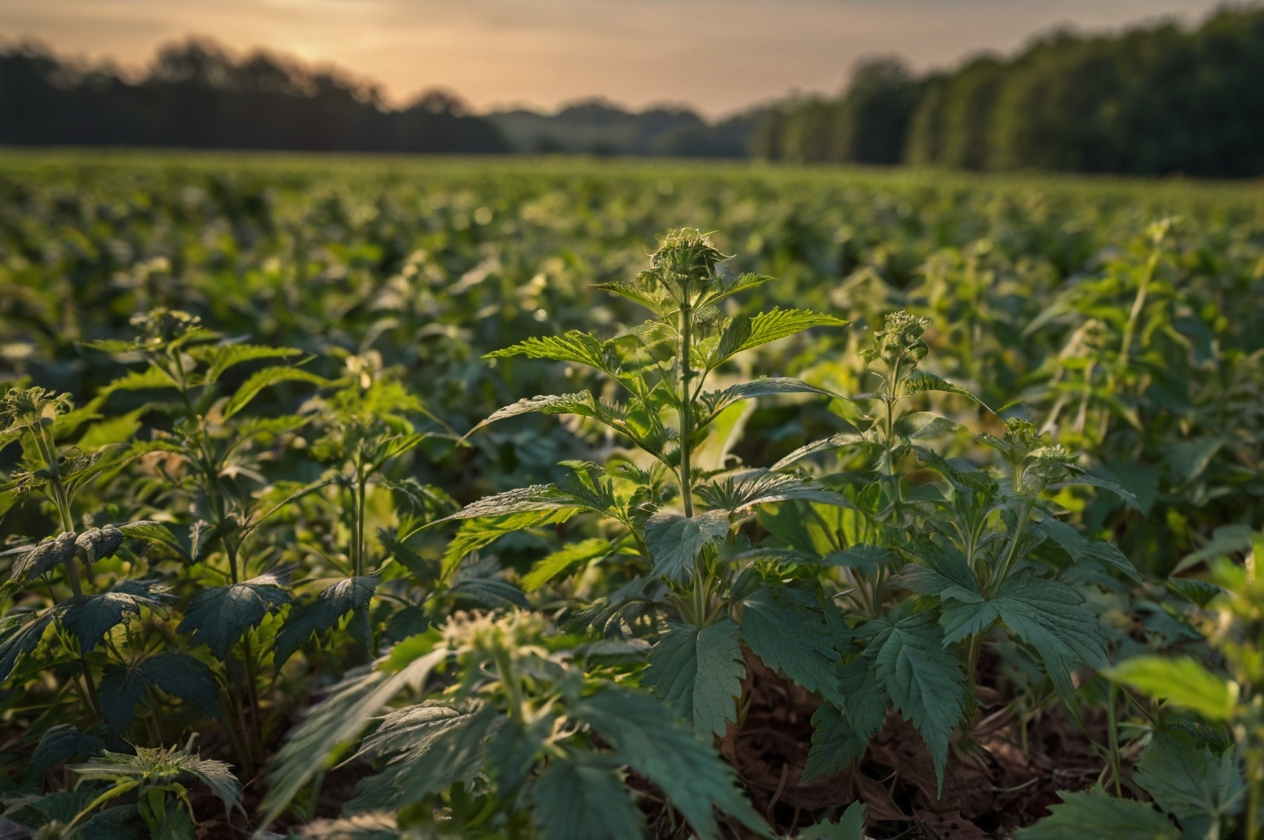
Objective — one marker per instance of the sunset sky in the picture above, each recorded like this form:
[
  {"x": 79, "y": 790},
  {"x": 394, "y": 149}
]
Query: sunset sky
[{"x": 717, "y": 56}]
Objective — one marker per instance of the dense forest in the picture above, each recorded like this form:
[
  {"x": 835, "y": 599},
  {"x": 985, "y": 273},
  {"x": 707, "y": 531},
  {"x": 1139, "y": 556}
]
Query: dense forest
[
  {"x": 1150, "y": 101},
  {"x": 195, "y": 95}
]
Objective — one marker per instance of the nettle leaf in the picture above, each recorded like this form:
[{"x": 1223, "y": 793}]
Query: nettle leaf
[
  {"x": 746, "y": 333},
  {"x": 44, "y": 557},
  {"x": 850, "y": 826},
  {"x": 155, "y": 533},
  {"x": 218, "y": 617},
  {"x": 265, "y": 378},
  {"x": 537, "y": 497},
  {"x": 675, "y": 540},
  {"x": 546, "y": 569},
  {"x": 840, "y": 735},
  {"x": 922, "y": 382},
  {"x": 20, "y": 633},
  {"x": 770, "y": 386},
  {"x": 581, "y": 403},
  {"x": 1080, "y": 548},
  {"x": 119, "y": 691},
  {"x": 428, "y": 749},
  {"x": 699, "y": 673},
  {"x": 1107, "y": 818},
  {"x": 492, "y": 592},
  {"x": 1180, "y": 680},
  {"x": 483, "y": 531},
  {"x": 224, "y": 356},
  {"x": 1190, "y": 782},
  {"x": 917, "y": 424},
  {"x": 331, "y": 604},
  {"x": 92, "y": 616},
  {"x": 57, "y": 746},
  {"x": 573, "y": 346},
  {"x": 862, "y": 557},
  {"x": 98, "y": 543},
  {"x": 580, "y": 797},
  {"x": 761, "y": 487},
  {"x": 324, "y": 735},
  {"x": 183, "y": 676},
  {"x": 645, "y": 736},
  {"x": 140, "y": 380},
  {"x": 795, "y": 640},
  {"x": 925, "y": 681}
]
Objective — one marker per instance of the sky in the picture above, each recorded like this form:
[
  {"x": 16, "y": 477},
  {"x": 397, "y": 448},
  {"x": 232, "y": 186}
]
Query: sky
[{"x": 716, "y": 56}]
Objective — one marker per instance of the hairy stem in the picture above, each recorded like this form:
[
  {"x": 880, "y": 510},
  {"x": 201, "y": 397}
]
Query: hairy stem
[{"x": 686, "y": 402}]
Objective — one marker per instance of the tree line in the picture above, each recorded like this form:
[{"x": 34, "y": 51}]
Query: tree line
[
  {"x": 195, "y": 95},
  {"x": 1153, "y": 100}
]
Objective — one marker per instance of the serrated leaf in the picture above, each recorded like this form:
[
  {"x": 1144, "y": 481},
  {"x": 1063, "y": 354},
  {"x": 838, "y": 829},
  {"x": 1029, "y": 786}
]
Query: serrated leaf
[
  {"x": 745, "y": 333},
  {"x": 795, "y": 641},
  {"x": 850, "y": 826},
  {"x": 917, "y": 424},
  {"x": 549, "y": 567},
  {"x": 92, "y": 617},
  {"x": 765, "y": 387},
  {"x": 317, "y": 742},
  {"x": 140, "y": 380},
  {"x": 58, "y": 745},
  {"x": 835, "y": 743},
  {"x": 490, "y": 592},
  {"x": 266, "y": 378},
  {"x": 741, "y": 492},
  {"x": 1188, "y": 781},
  {"x": 20, "y": 633},
  {"x": 925, "y": 680},
  {"x": 922, "y": 382},
  {"x": 581, "y": 403},
  {"x": 699, "y": 674},
  {"x": 1180, "y": 680},
  {"x": 862, "y": 557},
  {"x": 98, "y": 543},
  {"x": 180, "y": 675},
  {"x": 219, "y": 616},
  {"x": 675, "y": 540},
  {"x": 1199, "y": 592},
  {"x": 573, "y": 346},
  {"x": 120, "y": 429},
  {"x": 643, "y": 735},
  {"x": 119, "y": 691},
  {"x": 224, "y": 356},
  {"x": 580, "y": 797},
  {"x": 1109, "y": 819},
  {"x": 1227, "y": 539},
  {"x": 154, "y": 533},
  {"x": 483, "y": 531},
  {"x": 44, "y": 557},
  {"x": 1083, "y": 548},
  {"x": 427, "y": 753},
  {"x": 537, "y": 497},
  {"x": 1082, "y": 477},
  {"x": 331, "y": 604}
]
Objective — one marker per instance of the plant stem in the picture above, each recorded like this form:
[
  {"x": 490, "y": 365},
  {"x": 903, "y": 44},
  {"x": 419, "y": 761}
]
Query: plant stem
[
  {"x": 686, "y": 403},
  {"x": 1003, "y": 571},
  {"x": 1116, "y": 762}
]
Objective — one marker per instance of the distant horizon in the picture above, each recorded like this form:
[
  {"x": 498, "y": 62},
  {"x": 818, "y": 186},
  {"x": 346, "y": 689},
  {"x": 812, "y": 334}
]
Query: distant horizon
[{"x": 559, "y": 45}]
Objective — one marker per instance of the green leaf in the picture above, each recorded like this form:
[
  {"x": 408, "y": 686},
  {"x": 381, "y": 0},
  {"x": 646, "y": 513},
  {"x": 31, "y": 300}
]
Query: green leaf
[
  {"x": 20, "y": 633},
  {"x": 916, "y": 424},
  {"x": 119, "y": 691},
  {"x": 1082, "y": 548},
  {"x": 58, "y": 745},
  {"x": 839, "y": 736},
  {"x": 490, "y": 592},
  {"x": 428, "y": 748},
  {"x": 316, "y": 743},
  {"x": 1106, "y": 818},
  {"x": 1048, "y": 616},
  {"x": 796, "y": 641},
  {"x": 850, "y": 826},
  {"x": 478, "y": 533},
  {"x": 922, "y": 382},
  {"x": 765, "y": 387},
  {"x": 546, "y": 569},
  {"x": 573, "y": 346},
  {"x": 224, "y": 356},
  {"x": 745, "y": 333},
  {"x": 581, "y": 403},
  {"x": 183, "y": 676},
  {"x": 1180, "y": 680},
  {"x": 219, "y": 616},
  {"x": 580, "y": 797},
  {"x": 761, "y": 487},
  {"x": 140, "y": 380},
  {"x": 675, "y": 540},
  {"x": 643, "y": 735},
  {"x": 44, "y": 557},
  {"x": 862, "y": 557},
  {"x": 373, "y": 825},
  {"x": 98, "y": 543},
  {"x": 925, "y": 681},
  {"x": 1190, "y": 782},
  {"x": 154, "y": 533},
  {"x": 91, "y": 617},
  {"x": 331, "y": 604},
  {"x": 121, "y": 429},
  {"x": 1227, "y": 539},
  {"x": 266, "y": 378},
  {"x": 699, "y": 674},
  {"x": 537, "y": 497}
]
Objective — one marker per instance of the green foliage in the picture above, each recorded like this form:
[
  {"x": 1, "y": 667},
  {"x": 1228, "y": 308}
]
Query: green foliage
[{"x": 1111, "y": 819}]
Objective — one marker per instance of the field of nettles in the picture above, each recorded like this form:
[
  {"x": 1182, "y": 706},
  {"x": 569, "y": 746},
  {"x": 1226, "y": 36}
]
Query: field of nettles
[{"x": 361, "y": 499}]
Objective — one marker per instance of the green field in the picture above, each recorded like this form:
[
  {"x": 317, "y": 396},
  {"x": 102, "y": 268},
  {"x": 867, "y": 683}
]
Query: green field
[{"x": 1047, "y": 470}]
